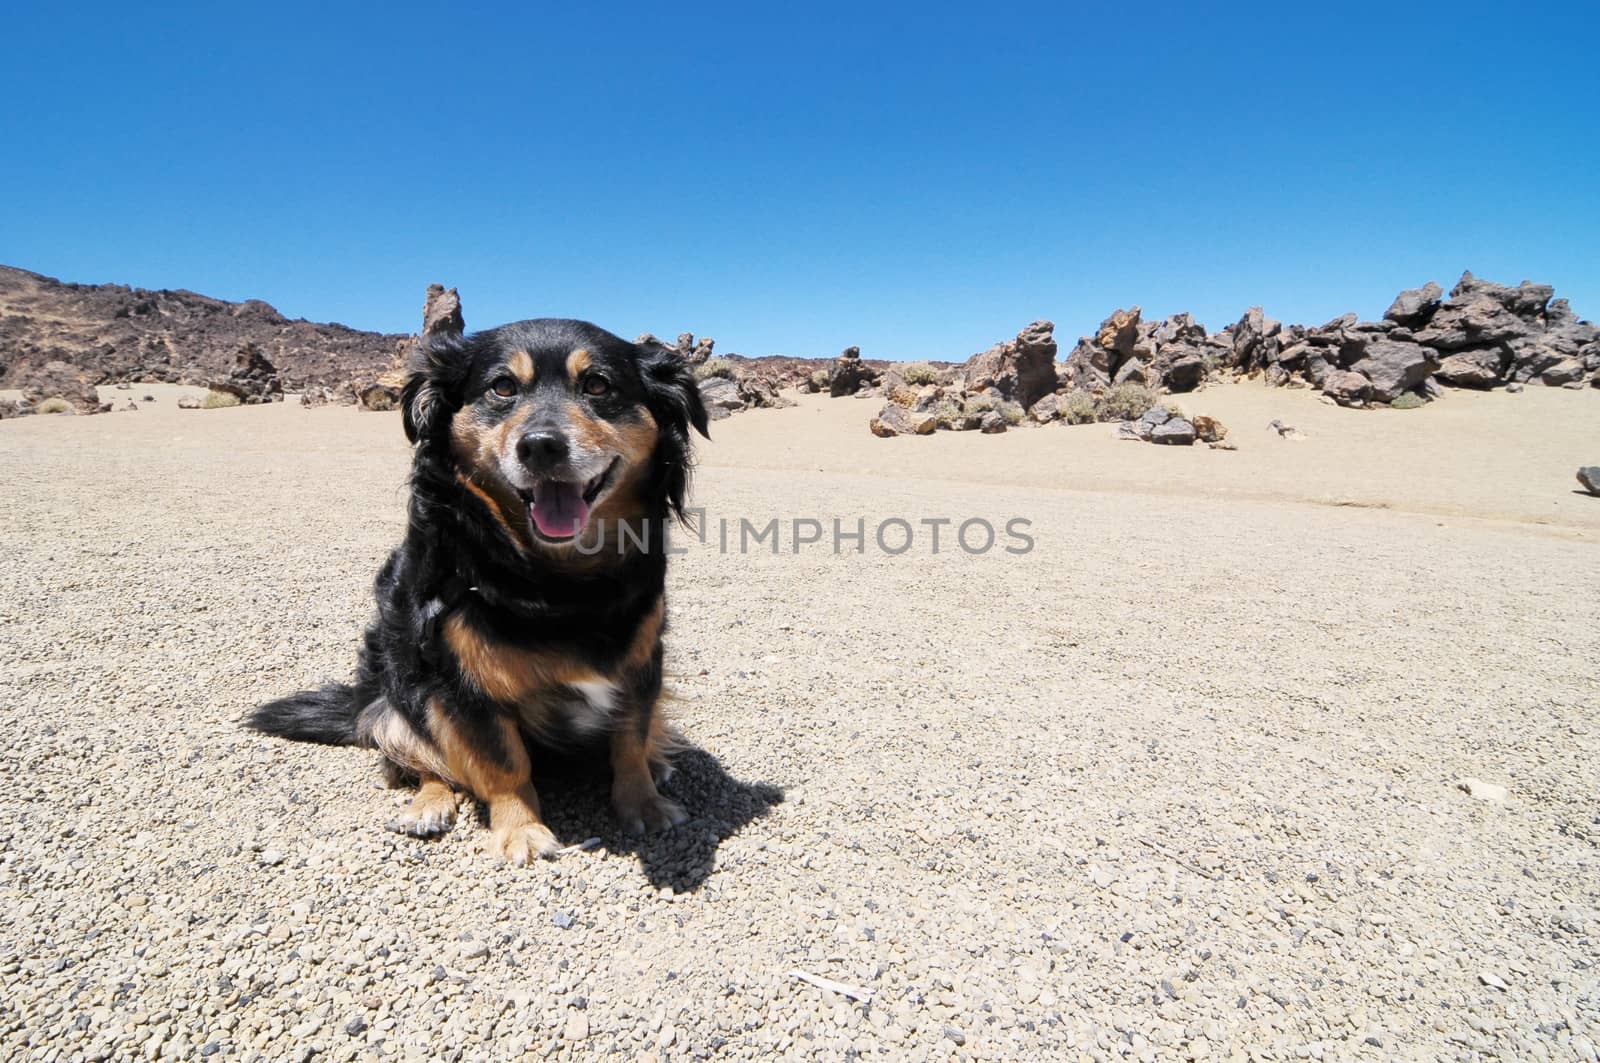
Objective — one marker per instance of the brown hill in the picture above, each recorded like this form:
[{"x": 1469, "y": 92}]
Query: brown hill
[{"x": 112, "y": 332}]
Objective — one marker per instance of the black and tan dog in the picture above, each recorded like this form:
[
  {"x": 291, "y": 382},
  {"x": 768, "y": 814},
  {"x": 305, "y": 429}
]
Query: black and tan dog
[{"x": 524, "y": 610}]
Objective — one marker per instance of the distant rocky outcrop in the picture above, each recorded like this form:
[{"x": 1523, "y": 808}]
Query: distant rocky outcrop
[
  {"x": 63, "y": 381},
  {"x": 110, "y": 333},
  {"x": 849, "y": 373},
  {"x": 253, "y": 378},
  {"x": 1172, "y": 354},
  {"x": 441, "y": 316},
  {"x": 1021, "y": 370},
  {"x": 1483, "y": 335}
]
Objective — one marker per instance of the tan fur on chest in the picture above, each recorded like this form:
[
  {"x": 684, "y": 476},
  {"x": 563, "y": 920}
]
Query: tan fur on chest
[{"x": 541, "y": 684}]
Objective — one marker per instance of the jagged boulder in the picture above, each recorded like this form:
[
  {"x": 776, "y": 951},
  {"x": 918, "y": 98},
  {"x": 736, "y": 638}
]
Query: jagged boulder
[
  {"x": 65, "y": 381},
  {"x": 1088, "y": 367},
  {"x": 441, "y": 312},
  {"x": 1346, "y": 387},
  {"x": 897, "y": 420},
  {"x": 1480, "y": 368},
  {"x": 1414, "y": 307},
  {"x": 850, "y": 374},
  {"x": 253, "y": 379},
  {"x": 1394, "y": 367},
  {"x": 1255, "y": 340},
  {"x": 1022, "y": 370},
  {"x": 721, "y": 397}
]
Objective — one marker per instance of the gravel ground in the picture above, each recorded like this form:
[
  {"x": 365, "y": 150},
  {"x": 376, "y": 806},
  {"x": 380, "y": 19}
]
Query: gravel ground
[{"x": 1179, "y": 783}]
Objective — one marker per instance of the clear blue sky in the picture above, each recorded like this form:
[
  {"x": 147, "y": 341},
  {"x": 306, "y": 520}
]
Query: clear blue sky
[{"x": 917, "y": 180}]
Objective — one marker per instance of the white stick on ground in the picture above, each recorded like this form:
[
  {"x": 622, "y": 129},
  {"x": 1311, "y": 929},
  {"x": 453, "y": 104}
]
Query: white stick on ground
[
  {"x": 1180, "y": 861},
  {"x": 578, "y": 847},
  {"x": 853, "y": 992}
]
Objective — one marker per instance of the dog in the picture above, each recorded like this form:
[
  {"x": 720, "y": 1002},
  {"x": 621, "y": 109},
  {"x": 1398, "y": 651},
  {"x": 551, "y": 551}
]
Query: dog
[{"x": 524, "y": 611}]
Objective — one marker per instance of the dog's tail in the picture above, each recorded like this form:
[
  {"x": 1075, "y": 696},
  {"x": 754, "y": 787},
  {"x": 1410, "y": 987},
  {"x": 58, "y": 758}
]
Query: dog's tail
[{"x": 328, "y": 716}]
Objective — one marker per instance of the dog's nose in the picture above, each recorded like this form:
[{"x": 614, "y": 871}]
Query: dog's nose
[{"x": 542, "y": 448}]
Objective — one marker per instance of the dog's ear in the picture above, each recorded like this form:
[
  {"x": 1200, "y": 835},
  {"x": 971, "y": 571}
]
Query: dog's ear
[
  {"x": 433, "y": 385},
  {"x": 671, "y": 391},
  {"x": 673, "y": 397}
]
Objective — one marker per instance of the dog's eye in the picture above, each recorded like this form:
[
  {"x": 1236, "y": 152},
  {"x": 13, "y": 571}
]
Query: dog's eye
[
  {"x": 504, "y": 386},
  {"x": 594, "y": 384}
]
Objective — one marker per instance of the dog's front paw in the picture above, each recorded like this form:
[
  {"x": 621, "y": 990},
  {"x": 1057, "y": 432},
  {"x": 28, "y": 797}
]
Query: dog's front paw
[
  {"x": 650, "y": 812},
  {"x": 524, "y": 843},
  {"x": 430, "y": 813}
]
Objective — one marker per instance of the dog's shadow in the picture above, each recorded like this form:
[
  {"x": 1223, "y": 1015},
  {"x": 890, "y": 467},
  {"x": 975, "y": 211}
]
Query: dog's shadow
[{"x": 575, "y": 798}]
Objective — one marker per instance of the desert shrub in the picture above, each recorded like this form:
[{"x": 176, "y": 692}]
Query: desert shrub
[
  {"x": 1012, "y": 412},
  {"x": 54, "y": 405},
  {"x": 819, "y": 380},
  {"x": 1126, "y": 402},
  {"x": 980, "y": 404},
  {"x": 1079, "y": 408},
  {"x": 218, "y": 400},
  {"x": 948, "y": 414},
  {"x": 714, "y": 367},
  {"x": 919, "y": 373},
  {"x": 1408, "y": 401}
]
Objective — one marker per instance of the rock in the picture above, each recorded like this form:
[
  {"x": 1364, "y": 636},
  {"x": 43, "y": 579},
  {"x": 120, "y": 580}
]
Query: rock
[
  {"x": 1483, "y": 791},
  {"x": 1479, "y": 368},
  {"x": 1176, "y": 431},
  {"x": 1209, "y": 429},
  {"x": 1128, "y": 430},
  {"x": 760, "y": 391},
  {"x": 992, "y": 423},
  {"x": 1087, "y": 368},
  {"x": 721, "y": 396},
  {"x": 1566, "y": 371},
  {"x": 1513, "y": 387},
  {"x": 1492, "y": 980},
  {"x": 132, "y": 407},
  {"x": 1525, "y": 300},
  {"x": 850, "y": 374},
  {"x": 1223, "y": 444},
  {"x": 1118, "y": 333},
  {"x": 62, "y": 380},
  {"x": 441, "y": 312},
  {"x": 1046, "y": 409},
  {"x": 148, "y": 398},
  {"x": 897, "y": 420},
  {"x": 576, "y": 1027},
  {"x": 1589, "y": 477},
  {"x": 1022, "y": 370},
  {"x": 253, "y": 379},
  {"x": 1133, "y": 371},
  {"x": 1346, "y": 388},
  {"x": 1394, "y": 368},
  {"x": 1481, "y": 315},
  {"x": 189, "y": 402},
  {"x": 379, "y": 397},
  {"x": 1155, "y": 415},
  {"x": 1415, "y": 306},
  {"x": 1255, "y": 340},
  {"x": 1182, "y": 368},
  {"x": 1284, "y": 431}
]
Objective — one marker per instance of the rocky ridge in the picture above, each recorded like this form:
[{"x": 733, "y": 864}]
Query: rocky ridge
[{"x": 1484, "y": 335}]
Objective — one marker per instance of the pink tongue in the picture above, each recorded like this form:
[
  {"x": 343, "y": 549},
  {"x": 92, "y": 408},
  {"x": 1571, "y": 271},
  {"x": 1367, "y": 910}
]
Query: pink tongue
[{"x": 559, "y": 511}]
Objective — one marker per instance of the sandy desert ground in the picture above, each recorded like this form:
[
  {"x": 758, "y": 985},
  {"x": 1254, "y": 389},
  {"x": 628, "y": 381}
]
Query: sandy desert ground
[{"x": 1181, "y": 782}]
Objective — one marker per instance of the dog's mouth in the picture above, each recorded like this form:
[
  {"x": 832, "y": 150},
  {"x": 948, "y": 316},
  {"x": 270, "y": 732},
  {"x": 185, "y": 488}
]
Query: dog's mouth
[{"x": 559, "y": 509}]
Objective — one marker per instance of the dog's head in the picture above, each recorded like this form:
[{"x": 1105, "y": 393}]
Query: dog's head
[{"x": 557, "y": 423}]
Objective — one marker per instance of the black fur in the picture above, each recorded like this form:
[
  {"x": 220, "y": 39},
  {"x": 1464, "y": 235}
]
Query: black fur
[{"x": 457, "y": 559}]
